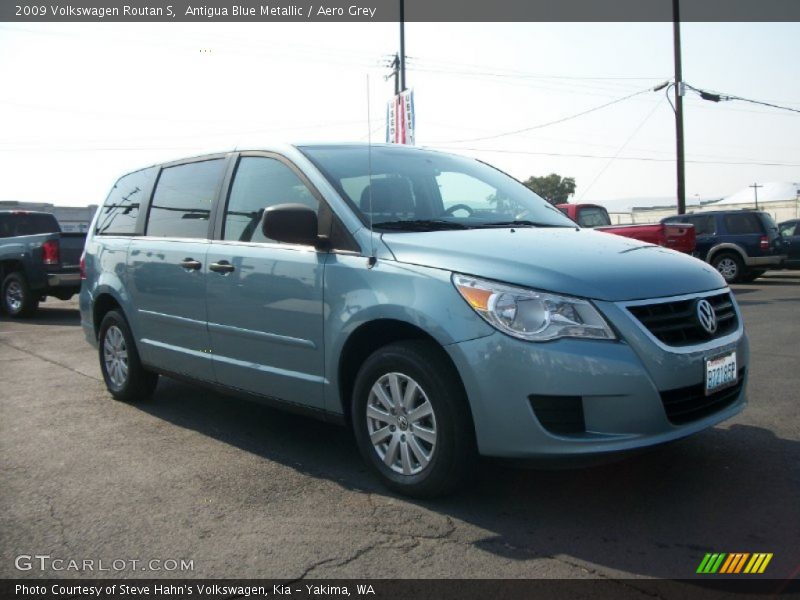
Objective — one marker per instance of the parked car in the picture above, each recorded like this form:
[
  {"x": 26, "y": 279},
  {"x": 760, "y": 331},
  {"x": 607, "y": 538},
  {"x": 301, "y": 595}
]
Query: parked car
[
  {"x": 790, "y": 233},
  {"x": 431, "y": 302},
  {"x": 741, "y": 244},
  {"x": 36, "y": 260},
  {"x": 677, "y": 236}
]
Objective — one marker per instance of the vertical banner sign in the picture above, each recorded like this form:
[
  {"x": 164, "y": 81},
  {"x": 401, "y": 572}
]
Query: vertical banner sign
[{"x": 400, "y": 119}]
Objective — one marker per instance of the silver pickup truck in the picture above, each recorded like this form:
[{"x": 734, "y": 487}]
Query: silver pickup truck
[{"x": 36, "y": 260}]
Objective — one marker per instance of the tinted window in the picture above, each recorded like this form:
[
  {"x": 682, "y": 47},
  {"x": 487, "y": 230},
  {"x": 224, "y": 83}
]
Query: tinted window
[
  {"x": 705, "y": 225},
  {"x": 121, "y": 209},
  {"x": 258, "y": 184},
  {"x": 742, "y": 223},
  {"x": 593, "y": 217},
  {"x": 183, "y": 199},
  {"x": 12, "y": 224}
]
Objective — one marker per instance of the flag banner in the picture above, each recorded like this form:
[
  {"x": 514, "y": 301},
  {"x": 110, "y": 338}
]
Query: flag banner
[{"x": 400, "y": 119}]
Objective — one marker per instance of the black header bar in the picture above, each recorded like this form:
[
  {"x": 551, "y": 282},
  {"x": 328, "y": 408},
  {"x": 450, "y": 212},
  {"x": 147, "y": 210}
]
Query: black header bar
[{"x": 388, "y": 10}]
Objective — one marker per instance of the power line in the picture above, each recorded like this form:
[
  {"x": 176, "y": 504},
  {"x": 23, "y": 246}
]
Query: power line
[
  {"x": 500, "y": 71},
  {"x": 549, "y": 123},
  {"x": 718, "y": 97},
  {"x": 598, "y": 156},
  {"x": 622, "y": 147}
]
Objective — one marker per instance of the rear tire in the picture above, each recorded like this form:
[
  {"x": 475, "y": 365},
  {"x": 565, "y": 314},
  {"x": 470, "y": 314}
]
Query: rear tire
[
  {"x": 18, "y": 299},
  {"x": 729, "y": 265},
  {"x": 123, "y": 373},
  {"x": 412, "y": 421}
]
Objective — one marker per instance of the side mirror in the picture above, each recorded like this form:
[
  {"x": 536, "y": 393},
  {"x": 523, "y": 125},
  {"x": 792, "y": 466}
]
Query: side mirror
[{"x": 291, "y": 224}]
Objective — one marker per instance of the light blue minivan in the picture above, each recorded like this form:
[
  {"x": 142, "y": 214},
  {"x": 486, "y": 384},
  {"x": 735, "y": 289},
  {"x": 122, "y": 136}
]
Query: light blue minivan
[{"x": 431, "y": 302}]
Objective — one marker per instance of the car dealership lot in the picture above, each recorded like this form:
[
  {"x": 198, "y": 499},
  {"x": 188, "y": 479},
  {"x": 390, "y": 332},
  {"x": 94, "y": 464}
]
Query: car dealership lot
[{"x": 247, "y": 491}]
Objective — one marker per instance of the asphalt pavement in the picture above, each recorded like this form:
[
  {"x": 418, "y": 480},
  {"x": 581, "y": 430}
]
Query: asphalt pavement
[{"x": 241, "y": 490}]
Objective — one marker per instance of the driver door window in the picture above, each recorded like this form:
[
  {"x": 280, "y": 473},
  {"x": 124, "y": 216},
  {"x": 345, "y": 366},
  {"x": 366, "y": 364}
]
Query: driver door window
[{"x": 260, "y": 183}]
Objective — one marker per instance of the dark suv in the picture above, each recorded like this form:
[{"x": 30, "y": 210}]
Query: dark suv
[{"x": 740, "y": 244}]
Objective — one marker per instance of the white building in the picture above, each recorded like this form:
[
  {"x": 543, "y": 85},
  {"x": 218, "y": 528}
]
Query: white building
[{"x": 781, "y": 199}]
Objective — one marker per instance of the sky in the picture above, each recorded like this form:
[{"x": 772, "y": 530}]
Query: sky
[{"x": 83, "y": 103}]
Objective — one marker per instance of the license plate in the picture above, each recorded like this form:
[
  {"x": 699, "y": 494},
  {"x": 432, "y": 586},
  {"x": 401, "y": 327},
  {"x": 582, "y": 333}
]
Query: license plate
[{"x": 721, "y": 372}]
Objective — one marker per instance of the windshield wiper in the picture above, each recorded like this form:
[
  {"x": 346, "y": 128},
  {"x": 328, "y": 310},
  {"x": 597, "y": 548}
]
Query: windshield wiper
[
  {"x": 518, "y": 224},
  {"x": 420, "y": 225}
]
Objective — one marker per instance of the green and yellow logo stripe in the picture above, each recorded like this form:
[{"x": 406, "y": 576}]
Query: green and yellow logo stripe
[{"x": 734, "y": 563}]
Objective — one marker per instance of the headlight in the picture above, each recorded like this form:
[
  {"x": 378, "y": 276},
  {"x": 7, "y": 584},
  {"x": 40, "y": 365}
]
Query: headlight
[{"x": 532, "y": 315}]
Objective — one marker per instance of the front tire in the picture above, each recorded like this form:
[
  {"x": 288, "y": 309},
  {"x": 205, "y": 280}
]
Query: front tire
[
  {"x": 729, "y": 265},
  {"x": 18, "y": 299},
  {"x": 411, "y": 420},
  {"x": 123, "y": 373}
]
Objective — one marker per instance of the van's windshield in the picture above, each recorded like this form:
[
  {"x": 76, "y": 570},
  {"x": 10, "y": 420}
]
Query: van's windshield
[{"x": 409, "y": 189}]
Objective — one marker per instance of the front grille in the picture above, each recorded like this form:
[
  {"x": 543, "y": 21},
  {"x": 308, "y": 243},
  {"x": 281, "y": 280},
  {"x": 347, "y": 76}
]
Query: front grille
[
  {"x": 676, "y": 323},
  {"x": 559, "y": 414},
  {"x": 684, "y": 405}
]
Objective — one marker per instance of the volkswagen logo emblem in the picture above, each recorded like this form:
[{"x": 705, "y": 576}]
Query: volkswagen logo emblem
[{"x": 706, "y": 316}]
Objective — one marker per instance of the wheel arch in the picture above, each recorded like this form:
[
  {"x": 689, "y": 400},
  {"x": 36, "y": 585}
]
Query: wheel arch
[
  {"x": 726, "y": 246},
  {"x": 369, "y": 337},
  {"x": 104, "y": 303},
  {"x": 9, "y": 266}
]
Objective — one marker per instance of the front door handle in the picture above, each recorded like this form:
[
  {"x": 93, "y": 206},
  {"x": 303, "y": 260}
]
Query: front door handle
[
  {"x": 191, "y": 264},
  {"x": 222, "y": 266}
]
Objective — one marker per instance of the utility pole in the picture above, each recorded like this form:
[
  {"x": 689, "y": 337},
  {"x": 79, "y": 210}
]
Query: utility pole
[
  {"x": 755, "y": 187},
  {"x": 395, "y": 64},
  {"x": 402, "y": 46},
  {"x": 676, "y": 33}
]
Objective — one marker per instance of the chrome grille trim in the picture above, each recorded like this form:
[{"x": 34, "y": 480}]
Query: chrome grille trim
[{"x": 716, "y": 342}]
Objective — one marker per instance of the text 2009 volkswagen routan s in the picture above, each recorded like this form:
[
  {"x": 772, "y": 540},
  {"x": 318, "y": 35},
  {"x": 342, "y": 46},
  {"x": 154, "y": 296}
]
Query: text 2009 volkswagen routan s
[{"x": 430, "y": 301}]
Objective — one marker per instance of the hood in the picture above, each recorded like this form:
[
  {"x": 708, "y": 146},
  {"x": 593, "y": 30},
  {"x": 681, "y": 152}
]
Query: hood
[{"x": 578, "y": 262}]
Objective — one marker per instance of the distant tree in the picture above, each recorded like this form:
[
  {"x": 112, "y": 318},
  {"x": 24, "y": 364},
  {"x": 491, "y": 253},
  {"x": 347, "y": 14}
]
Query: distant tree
[{"x": 553, "y": 188}]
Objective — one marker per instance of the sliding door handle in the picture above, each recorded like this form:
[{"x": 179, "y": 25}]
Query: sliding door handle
[
  {"x": 191, "y": 264},
  {"x": 222, "y": 266}
]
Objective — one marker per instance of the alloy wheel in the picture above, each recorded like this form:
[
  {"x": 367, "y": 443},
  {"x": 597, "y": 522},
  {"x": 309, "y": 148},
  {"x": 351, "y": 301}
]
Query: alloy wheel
[
  {"x": 14, "y": 297},
  {"x": 115, "y": 356},
  {"x": 728, "y": 268},
  {"x": 401, "y": 424}
]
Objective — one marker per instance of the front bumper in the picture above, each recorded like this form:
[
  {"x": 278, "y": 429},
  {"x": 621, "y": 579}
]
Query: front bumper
[{"x": 618, "y": 384}]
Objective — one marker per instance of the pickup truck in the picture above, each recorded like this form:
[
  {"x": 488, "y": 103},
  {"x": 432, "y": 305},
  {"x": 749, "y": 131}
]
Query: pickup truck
[
  {"x": 679, "y": 236},
  {"x": 36, "y": 260}
]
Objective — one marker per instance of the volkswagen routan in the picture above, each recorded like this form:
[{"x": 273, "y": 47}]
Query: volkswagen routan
[{"x": 429, "y": 301}]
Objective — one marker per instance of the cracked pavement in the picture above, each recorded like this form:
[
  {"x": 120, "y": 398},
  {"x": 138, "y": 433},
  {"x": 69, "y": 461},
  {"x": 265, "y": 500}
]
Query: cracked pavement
[{"x": 248, "y": 491}]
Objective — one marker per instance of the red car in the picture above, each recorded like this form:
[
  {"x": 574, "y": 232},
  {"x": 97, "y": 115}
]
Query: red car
[{"x": 677, "y": 236}]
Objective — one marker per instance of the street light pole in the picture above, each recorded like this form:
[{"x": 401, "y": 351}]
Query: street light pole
[{"x": 676, "y": 33}]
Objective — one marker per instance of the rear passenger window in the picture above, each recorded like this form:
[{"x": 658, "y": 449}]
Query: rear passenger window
[
  {"x": 183, "y": 199},
  {"x": 121, "y": 209},
  {"x": 703, "y": 225},
  {"x": 743, "y": 223},
  {"x": 258, "y": 184}
]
